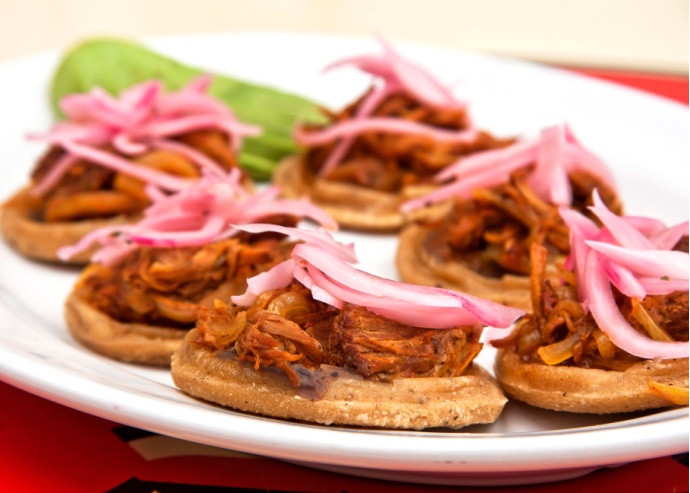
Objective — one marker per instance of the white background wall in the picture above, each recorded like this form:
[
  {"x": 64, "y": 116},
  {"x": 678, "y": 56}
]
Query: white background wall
[{"x": 650, "y": 35}]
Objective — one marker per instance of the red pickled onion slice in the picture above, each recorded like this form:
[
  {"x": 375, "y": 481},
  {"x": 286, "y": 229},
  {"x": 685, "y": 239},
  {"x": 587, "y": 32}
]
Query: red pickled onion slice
[
  {"x": 624, "y": 280},
  {"x": 604, "y": 309},
  {"x": 430, "y": 317},
  {"x": 669, "y": 237},
  {"x": 321, "y": 264},
  {"x": 485, "y": 312},
  {"x": 657, "y": 286},
  {"x": 317, "y": 292},
  {"x": 417, "y": 80},
  {"x": 116, "y": 163},
  {"x": 624, "y": 233},
  {"x": 54, "y": 174},
  {"x": 520, "y": 153},
  {"x": 549, "y": 156},
  {"x": 372, "y": 64},
  {"x": 137, "y": 116},
  {"x": 649, "y": 263},
  {"x": 319, "y": 237},
  {"x": 277, "y": 277},
  {"x": 381, "y": 124},
  {"x": 365, "y": 109},
  {"x": 549, "y": 178}
]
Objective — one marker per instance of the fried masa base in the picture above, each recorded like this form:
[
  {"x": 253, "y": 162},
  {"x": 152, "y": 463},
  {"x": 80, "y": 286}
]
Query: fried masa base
[
  {"x": 40, "y": 240},
  {"x": 417, "y": 266},
  {"x": 129, "y": 342},
  {"x": 352, "y": 206},
  {"x": 347, "y": 399},
  {"x": 586, "y": 390}
]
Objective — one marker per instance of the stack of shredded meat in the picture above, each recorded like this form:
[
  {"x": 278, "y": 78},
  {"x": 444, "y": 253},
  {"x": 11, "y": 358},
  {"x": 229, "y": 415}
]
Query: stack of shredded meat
[
  {"x": 559, "y": 331},
  {"x": 389, "y": 161},
  {"x": 492, "y": 232},
  {"x": 287, "y": 326},
  {"x": 166, "y": 286},
  {"x": 90, "y": 191}
]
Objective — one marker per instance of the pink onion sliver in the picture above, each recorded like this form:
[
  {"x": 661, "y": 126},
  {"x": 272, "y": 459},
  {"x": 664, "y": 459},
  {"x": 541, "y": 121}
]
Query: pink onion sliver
[
  {"x": 298, "y": 208},
  {"x": 67, "y": 252},
  {"x": 624, "y": 233},
  {"x": 190, "y": 123},
  {"x": 54, "y": 175},
  {"x": 462, "y": 189},
  {"x": 549, "y": 179},
  {"x": 117, "y": 163},
  {"x": 124, "y": 144},
  {"x": 384, "y": 125},
  {"x": 206, "y": 234},
  {"x": 609, "y": 318},
  {"x": 276, "y": 277},
  {"x": 417, "y": 80},
  {"x": 197, "y": 157},
  {"x": 579, "y": 224},
  {"x": 656, "y": 286},
  {"x": 365, "y": 109},
  {"x": 318, "y": 237},
  {"x": 486, "y": 312},
  {"x": 317, "y": 292},
  {"x": 582, "y": 159},
  {"x": 521, "y": 153},
  {"x": 623, "y": 279},
  {"x": 650, "y": 263},
  {"x": 669, "y": 237},
  {"x": 431, "y": 317},
  {"x": 374, "y": 65}
]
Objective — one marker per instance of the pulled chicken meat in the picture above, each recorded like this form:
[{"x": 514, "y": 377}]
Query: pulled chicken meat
[
  {"x": 166, "y": 286},
  {"x": 492, "y": 232},
  {"x": 389, "y": 161},
  {"x": 287, "y": 326},
  {"x": 558, "y": 332},
  {"x": 88, "y": 191}
]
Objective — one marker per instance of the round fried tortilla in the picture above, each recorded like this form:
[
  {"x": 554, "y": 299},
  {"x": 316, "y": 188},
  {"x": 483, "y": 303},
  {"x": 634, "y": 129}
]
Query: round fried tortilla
[
  {"x": 343, "y": 398},
  {"x": 352, "y": 206},
  {"x": 40, "y": 240},
  {"x": 129, "y": 342},
  {"x": 417, "y": 266},
  {"x": 587, "y": 390}
]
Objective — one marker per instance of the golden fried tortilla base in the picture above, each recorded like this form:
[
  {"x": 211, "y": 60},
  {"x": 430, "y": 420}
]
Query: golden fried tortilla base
[
  {"x": 129, "y": 342},
  {"x": 41, "y": 241},
  {"x": 586, "y": 390},
  {"x": 416, "y": 266},
  {"x": 352, "y": 206},
  {"x": 406, "y": 403}
]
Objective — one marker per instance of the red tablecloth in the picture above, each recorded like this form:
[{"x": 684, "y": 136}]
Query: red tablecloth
[{"x": 46, "y": 447}]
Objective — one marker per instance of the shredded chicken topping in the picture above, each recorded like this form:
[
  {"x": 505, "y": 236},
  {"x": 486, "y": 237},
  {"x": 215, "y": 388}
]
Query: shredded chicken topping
[
  {"x": 390, "y": 161},
  {"x": 493, "y": 231},
  {"x": 88, "y": 190},
  {"x": 287, "y": 326},
  {"x": 559, "y": 332},
  {"x": 166, "y": 286}
]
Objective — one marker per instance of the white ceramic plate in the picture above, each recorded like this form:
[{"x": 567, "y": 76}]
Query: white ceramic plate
[{"x": 643, "y": 138}]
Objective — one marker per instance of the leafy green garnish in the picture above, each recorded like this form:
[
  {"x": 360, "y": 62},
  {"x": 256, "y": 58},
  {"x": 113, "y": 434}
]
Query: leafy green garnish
[{"x": 115, "y": 64}]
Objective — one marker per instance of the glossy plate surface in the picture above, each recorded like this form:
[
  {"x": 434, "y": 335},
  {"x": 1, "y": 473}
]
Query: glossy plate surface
[{"x": 644, "y": 139}]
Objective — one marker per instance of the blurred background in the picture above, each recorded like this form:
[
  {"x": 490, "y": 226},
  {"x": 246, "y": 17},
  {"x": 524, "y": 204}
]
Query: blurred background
[{"x": 649, "y": 36}]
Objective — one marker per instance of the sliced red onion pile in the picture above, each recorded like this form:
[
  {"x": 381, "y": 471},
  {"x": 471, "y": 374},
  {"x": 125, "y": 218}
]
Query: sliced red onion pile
[
  {"x": 142, "y": 118},
  {"x": 635, "y": 255},
  {"x": 204, "y": 212},
  {"x": 553, "y": 156},
  {"x": 394, "y": 75},
  {"x": 325, "y": 266}
]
